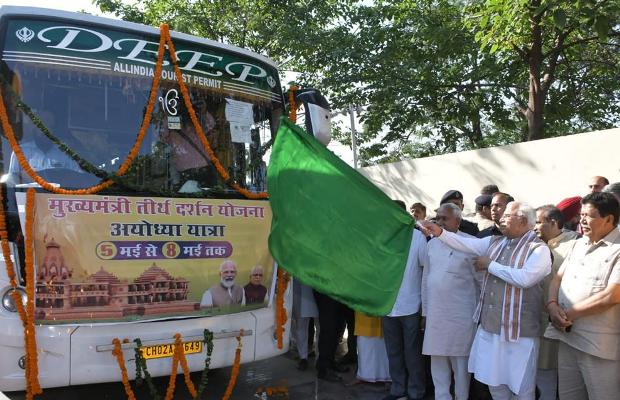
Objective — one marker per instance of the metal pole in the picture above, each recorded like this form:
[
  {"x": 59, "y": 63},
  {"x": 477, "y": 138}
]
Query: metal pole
[{"x": 353, "y": 135}]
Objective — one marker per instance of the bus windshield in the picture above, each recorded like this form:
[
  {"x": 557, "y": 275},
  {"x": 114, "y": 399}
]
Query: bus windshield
[{"x": 88, "y": 87}]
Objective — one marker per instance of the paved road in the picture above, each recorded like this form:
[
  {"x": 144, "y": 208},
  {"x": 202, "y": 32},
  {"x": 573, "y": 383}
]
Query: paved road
[{"x": 276, "y": 372}]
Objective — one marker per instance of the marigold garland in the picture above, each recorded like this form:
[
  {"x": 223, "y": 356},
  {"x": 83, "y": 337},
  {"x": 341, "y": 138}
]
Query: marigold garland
[
  {"x": 118, "y": 353},
  {"x": 173, "y": 374},
  {"x": 234, "y": 372},
  {"x": 281, "y": 316},
  {"x": 32, "y": 384},
  {"x": 32, "y": 368},
  {"x": 272, "y": 391},
  {"x": 292, "y": 107},
  {"x": 188, "y": 380}
]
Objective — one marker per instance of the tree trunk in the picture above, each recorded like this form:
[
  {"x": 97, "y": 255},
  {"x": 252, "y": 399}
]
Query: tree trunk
[
  {"x": 537, "y": 95},
  {"x": 535, "y": 111}
]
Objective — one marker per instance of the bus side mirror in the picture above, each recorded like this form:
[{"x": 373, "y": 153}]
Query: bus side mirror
[
  {"x": 317, "y": 113},
  {"x": 321, "y": 122}
]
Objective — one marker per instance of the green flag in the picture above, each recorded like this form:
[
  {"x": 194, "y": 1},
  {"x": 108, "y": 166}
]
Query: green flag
[{"x": 332, "y": 228}]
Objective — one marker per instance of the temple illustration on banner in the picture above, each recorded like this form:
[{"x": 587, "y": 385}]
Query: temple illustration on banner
[{"x": 103, "y": 295}]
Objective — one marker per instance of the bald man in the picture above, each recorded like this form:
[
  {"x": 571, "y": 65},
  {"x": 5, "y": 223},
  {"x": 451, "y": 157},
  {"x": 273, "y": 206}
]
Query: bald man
[{"x": 597, "y": 183}]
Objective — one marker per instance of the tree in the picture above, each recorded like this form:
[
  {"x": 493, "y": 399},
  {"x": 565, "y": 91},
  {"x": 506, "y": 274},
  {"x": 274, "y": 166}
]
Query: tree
[
  {"x": 569, "y": 49},
  {"x": 437, "y": 76},
  {"x": 269, "y": 27},
  {"x": 434, "y": 76}
]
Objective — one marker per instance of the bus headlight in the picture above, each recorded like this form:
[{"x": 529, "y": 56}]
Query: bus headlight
[{"x": 7, "y": 299}]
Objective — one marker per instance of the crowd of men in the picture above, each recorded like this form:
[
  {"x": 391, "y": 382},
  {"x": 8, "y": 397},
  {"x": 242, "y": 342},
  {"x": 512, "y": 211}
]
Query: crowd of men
[{"x": 524, "y": 300}]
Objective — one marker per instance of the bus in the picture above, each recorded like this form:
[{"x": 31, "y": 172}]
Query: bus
[{"x": 168, "y": 247}]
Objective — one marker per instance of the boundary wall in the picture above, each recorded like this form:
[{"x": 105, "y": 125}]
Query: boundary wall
[{"x": 538, "y": 172}]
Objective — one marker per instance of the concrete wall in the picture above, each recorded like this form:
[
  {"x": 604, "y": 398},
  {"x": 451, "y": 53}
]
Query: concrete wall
[{"x": 539, "y": 172}]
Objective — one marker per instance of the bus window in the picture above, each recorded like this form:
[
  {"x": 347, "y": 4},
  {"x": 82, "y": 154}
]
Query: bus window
[{"x": 97, "y": 112}]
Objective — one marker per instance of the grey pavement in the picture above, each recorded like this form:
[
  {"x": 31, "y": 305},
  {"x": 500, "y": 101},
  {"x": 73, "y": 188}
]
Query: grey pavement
[{"x": 276, "y": 372}]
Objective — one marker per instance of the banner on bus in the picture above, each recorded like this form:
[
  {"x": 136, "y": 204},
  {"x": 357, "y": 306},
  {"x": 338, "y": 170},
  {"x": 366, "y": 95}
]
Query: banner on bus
[{"x": 121, "y": 258}]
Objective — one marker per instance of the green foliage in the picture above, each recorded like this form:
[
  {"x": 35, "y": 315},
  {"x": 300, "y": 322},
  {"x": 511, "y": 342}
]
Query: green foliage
[
  {"x": 268, "y": 27},
  {"x": 441, "y": 76},
  {"x": 434, "y": 76}
]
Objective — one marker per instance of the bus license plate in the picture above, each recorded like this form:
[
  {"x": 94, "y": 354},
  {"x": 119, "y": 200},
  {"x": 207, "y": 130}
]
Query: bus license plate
[{"x": 167, "y": 350}]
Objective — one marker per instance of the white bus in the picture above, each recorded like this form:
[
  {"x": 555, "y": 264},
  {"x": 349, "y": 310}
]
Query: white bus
[{"x": 151, "y": 255}]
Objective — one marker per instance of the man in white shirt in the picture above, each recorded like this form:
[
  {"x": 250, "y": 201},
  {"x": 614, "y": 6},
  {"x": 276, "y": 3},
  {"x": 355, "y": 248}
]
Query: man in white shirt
[
  {"x": 450, "y": 291},
  {"x": 401, "y": 328},
  {"x": 505, "y": 348}
]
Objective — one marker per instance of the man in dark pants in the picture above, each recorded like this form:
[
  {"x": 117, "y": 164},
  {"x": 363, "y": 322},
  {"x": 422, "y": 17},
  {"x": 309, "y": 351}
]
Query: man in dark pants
[
  {"x": 330, "y": 317},
  {"x": 348, "y": 322},
  {"x": 401, "y": 329}
]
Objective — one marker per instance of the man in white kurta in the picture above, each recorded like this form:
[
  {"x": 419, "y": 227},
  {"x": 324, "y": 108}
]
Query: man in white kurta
[
  {"x": 450, "y": 291},
  {"x": 505, "y": 348}
]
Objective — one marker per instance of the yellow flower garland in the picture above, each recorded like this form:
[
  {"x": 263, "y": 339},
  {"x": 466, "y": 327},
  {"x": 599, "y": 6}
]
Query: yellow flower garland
[
  {"x": 281, "y": 317},
  {"x": 32, "y": 369},
  {"x": 118, "y": 353},
  {"x": 179, "y": 349},
  {"x": 292, "y": 107},
  {"x": 234, "y": 372}
]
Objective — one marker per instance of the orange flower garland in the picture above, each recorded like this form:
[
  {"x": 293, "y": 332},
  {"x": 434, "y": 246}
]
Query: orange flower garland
[
  {"x": 173, "y": 374},
  {"x": 32, "y": 369},
  {"x": 118, "y": 353},
  {"x": 275, "y": 391},
  {"x": 281, "y": 316},
  {"x": 292, "y": 107},
  {"x": 31, "y": 374},
  {"x": 234, "y": 372},
  {"x": 188, "y": 380}
]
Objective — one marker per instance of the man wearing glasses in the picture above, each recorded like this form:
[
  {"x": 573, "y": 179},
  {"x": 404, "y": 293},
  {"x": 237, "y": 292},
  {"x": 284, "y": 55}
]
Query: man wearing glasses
[
  {"x": 255, "y": 291},
  {"x": 505, "y": 349}
]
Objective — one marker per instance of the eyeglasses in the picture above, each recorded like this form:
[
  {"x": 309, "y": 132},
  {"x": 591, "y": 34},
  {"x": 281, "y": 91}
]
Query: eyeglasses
[{"x": 512, "y": 216}]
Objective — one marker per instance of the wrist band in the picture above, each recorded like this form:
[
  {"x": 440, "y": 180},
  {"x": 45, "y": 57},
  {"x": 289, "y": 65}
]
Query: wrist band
[{"x": 551, "y": 302}]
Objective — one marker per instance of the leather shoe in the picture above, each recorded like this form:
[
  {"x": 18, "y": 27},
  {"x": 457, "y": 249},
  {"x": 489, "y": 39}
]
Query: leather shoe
[
  {"x": 302, "y": 365},
  {"x": 330, "y": 376},
  {"x": 349, "y": 358},
  {"x": 340, "y": 368}
]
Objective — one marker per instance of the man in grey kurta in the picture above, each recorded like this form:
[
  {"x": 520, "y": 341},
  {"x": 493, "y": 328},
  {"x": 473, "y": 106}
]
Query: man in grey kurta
[{"x": 450, "y": 291}]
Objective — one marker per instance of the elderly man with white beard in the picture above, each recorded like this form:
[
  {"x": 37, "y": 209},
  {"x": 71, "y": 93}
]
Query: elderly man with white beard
[
  {"x": 505, "y": 348},
  {"x": 226, "y": 292},
  {"x": 450, "y": 291}
]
